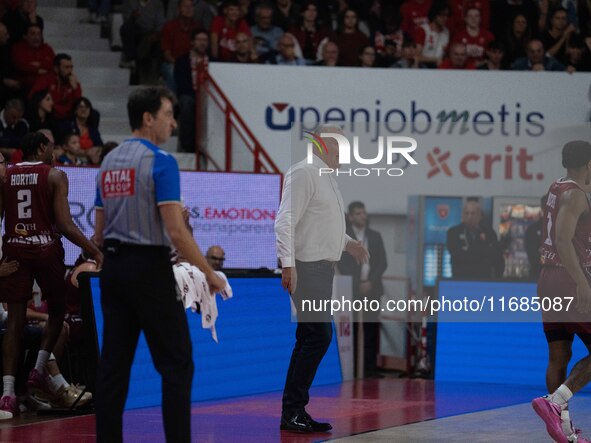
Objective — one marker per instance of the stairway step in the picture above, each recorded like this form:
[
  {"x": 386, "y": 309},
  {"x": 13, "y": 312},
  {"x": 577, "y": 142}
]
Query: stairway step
[
  {"x": 109, "y": 109},
  {"x": 56, "y": 3},
  {"x": 103, "y": 76},
  {"x": 63, "y": 14},
  {"x": 114, "y": 125},
  {"x": 76, "y": 30},
  {"x": 97, "y": 59},
  {"x": 65, "y": 44}
]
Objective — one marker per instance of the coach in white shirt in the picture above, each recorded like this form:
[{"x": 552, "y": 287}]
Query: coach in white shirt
[{"x": 310, "y": 230}]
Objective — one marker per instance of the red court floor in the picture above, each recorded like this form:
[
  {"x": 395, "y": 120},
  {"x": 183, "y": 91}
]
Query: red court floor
[{"x": 352, "y": 407}]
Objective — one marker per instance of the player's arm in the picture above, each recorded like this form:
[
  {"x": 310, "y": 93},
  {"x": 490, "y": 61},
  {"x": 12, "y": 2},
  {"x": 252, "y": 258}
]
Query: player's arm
[
  {"x": 167, "y": 187},
  {"x": 181, "y": 238},
  {"x": 99, "y": 226},
  {"x": 573, "y": 204},
  {"x": 58, "y": 180}
]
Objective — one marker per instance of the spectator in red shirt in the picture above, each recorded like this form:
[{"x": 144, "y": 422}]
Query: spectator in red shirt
[
  {"x": 458, "y": 58},
  {"x": 63, "y": 85},
  {"x": 85, "y": 123},
  {"x": 474, "y": 37},
  {"x": 17, "y": 20},
  {"x": 224, "y": 30},
  {"x": 309, "y": 33},
  {"x": 350, "y": 39},
  {"x": 414, "y": 14},
  {"x": 458, "y": 12},
  {"x": 175, "y": 40},
  {"x": 31, "y": 57}
]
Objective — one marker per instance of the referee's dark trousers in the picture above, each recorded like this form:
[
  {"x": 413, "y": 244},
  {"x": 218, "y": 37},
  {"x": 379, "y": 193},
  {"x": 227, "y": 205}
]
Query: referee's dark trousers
[
  {"x": 138, "y": 294},
  {"x": 313, "y": 333}
]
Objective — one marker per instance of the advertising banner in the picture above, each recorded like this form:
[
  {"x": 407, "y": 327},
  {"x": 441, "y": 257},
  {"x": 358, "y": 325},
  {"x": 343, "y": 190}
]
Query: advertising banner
[
  {"x": 234, "y": 211},
  {"x": 482, "y": 133}
]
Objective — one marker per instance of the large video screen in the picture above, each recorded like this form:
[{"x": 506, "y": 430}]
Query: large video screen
[
  {"x": 501, "y": 352},
  {"x": 251, "y": 357},
  {"x": 234, "y": 211}
]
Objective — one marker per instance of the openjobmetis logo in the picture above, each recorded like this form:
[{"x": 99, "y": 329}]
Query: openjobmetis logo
[
  {"x": 286, "y": 119},
  {"x": 391, "y": 146}
]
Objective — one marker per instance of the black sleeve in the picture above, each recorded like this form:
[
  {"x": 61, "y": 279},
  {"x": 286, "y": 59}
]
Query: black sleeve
[{"x": 496, "y": 252}]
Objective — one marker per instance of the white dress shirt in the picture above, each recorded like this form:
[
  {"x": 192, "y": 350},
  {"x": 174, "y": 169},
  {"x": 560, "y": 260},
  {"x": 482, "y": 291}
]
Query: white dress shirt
[{"x": 310, "y": 224}]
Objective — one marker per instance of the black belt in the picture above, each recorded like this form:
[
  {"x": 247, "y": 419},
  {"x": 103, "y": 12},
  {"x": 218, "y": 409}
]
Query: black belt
[{"x": 113, "y": 246}]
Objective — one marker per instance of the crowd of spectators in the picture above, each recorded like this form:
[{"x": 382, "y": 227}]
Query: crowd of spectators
[
  {"x": 40, "y": 90},
  {"x": 453, "y": 34},
  {"x": 175, "y": 38}
]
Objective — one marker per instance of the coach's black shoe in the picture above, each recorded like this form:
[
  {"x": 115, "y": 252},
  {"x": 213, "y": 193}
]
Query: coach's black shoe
[
  {"x": 297, "y": 422},
  {"x": 318, "y": 426}
]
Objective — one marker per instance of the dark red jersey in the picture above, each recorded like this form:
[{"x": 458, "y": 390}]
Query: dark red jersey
[
  {"x": 28, "y": 205},
  {"x": 582, "y": 237}
]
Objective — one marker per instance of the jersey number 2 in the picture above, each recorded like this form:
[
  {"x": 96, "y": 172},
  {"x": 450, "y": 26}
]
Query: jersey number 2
[{"x": 24, "y": 203}]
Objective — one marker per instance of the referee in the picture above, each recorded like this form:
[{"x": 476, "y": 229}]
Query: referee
[{"x": 138, "y": 217}]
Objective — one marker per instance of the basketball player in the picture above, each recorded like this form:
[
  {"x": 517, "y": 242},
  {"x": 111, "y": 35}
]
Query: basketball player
[
  {"x": 566, "y": 262},
  {"x": 34, "y": 203}
]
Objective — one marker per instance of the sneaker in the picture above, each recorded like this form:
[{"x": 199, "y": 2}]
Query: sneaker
[
  {"x": 36, "y": 402},
  {"x": 8, "y": 407},
  {"x": 38, "y": 382},
  {"x": 576, "y": 436},
  {"x": 67, "y": 396},
  {"x": 550, "y": 413}
]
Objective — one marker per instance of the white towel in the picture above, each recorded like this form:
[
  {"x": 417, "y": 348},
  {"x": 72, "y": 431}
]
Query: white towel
[{"x": 194, "y": 290}]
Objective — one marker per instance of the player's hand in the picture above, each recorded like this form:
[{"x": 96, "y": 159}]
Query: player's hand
[
  {"x": 215, "y": 282},
  {"x": 8, "y": 267},
  {"x": 365, "y": 288},
  {"x": 98, "y": 259},
  {"x": 583, "y": 297},
  {"x": 289, "y": 279},
  {"x": 358, "y": 251}
]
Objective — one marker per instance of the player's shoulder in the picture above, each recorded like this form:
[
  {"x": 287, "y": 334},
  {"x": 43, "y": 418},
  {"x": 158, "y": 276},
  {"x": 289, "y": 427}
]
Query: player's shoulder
[
  {"x": 57, "y": 173},
  {"x": 573, "y": 197}
]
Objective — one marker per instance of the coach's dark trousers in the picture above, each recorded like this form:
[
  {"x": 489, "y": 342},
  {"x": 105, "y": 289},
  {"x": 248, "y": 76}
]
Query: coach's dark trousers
[
  {"x": 138, "y": 294},
  {"x": 313, "y": 333}
]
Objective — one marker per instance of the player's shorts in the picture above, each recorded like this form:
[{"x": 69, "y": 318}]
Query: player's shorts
[
  {"x": 45, "y": 264},
  {"x": 554, "y": 282}
]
